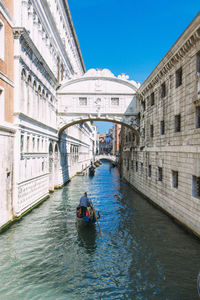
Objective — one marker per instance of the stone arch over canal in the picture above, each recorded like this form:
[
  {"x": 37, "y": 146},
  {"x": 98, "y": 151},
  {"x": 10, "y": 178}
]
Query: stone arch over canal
[{"x": 98, "y": 96}]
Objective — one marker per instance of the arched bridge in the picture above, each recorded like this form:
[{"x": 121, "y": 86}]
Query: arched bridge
[
  {"x": 98, "y": 96},
  {"x": 108, "y": 157}
]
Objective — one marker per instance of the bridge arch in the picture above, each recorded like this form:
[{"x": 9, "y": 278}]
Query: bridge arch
[{"x": 82, "y": 120}]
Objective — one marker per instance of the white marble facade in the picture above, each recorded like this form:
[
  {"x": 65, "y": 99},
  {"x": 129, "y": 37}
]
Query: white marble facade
[{"x": 46, "y": 53}]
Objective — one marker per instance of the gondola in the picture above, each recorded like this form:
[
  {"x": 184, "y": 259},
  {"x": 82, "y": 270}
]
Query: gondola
[
  {"x": 90, "y": 217},
  {"x": 91, "y": 171}
]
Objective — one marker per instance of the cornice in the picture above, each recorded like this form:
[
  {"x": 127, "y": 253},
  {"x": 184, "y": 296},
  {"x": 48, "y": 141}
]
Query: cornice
[
  {"x": 120, "y": 81},
  {"x": 177, "y": 52},
  {"x": 22, "y": 34},
  {"x": 5, "y": 12},
  {"x": 66, "y": 6},
  {"x": 6, "y": 79},
  {"x": 53, "y": 29}
]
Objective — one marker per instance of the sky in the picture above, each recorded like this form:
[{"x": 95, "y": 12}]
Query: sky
[{"x": 128, "y": 36}]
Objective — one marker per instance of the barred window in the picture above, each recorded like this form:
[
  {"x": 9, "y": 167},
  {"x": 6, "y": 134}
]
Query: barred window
[
  {"x": 179, "y": 75},
  {"x": 175, "y": 179},
  {"x": 197, "y": 117},
  {"x": 141, "y": 168},
  {"x": 143, "y": 105},
  {"x": 162, "y": 127},
  {"x": 151, "y": 130},
  {"x": 177, "y": 123},
  {"x": 143, "y": 132},
  {"x": 198, "y": 62},
  {"x": 149, "y": 171},
  {"x": 160, "y": 174},
  {"x": 163, "y": 90},
  {"x": 152, "y": 99},
  {"x": 131, "y": 164},
  {"x": 196, "y": 186},
  {"x": 115, "y": 101},
  {"x": 82, "y": 101},
  {"x": 2, "y": 40}
]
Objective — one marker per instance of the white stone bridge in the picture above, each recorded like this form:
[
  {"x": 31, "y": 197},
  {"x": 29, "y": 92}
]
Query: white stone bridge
[
  {"x": 108, "y": 157},
  {"x": 98, "y": 96}
]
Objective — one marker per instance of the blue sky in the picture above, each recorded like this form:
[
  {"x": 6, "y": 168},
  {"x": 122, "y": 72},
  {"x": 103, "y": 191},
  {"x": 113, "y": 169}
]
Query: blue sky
[{"x": 129, "y": 36}]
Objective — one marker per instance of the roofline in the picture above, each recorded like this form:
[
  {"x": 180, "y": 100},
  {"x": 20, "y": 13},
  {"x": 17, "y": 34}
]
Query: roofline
[
  {"x": 65, "y": 3},
  {"x": 85, "y": 78},
  {"x": 172, "y": 51}
]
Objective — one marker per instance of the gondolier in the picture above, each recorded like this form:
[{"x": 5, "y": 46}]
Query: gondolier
[{"x": 84, "y": 203}]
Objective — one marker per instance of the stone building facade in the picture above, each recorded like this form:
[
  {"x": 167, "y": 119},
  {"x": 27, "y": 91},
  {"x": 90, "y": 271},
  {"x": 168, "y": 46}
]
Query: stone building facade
[
  {"x": 40, "y": 50},
  {"x": 163, "y": 161},
  {"x": 7, "y": 129}
]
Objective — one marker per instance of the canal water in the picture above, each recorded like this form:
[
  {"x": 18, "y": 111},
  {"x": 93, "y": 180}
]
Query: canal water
[{"x": 140, "y": 254}]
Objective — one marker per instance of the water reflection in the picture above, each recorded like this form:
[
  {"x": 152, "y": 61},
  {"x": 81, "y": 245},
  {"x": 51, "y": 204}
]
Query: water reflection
[
  {"x": 141, "y": 253},
  {"x": 87, "y": 237}
]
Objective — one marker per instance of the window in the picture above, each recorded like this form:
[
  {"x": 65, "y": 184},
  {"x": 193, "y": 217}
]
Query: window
[
  {"x": 28, "y": 143},
  {"x": 143, "y": 133},
  {"x": 177, "y": 123},
  {"x": 33, "y": 144},
  {"x": 22, "y": 143},
  {"x": 131, "y": 164},
  {"x": 197, "y": 117},
  {"x": 152, "y": 98},
  {"x": 151, "y": 131},
  {"x": 2, "y": 40},
  {"x": 163, "y": 90},
  {"x": 196, "y": 186},
  {"x": 160, "y": 174},
  {"x": 1, "y": 104},
  {"x": 149, "y": 171},
  {"x": 115, "y": 101},
  {"x": 141, "y": 168},
  {"x": 136, "y": 166},
  {"x": 162, "y": 127},
  {"x": 179, "y": 74},
  {"x": 143, "y": 105},
  {"x": 198, "y": 62},
  {"x": 175, "y": 179},
  {"x": 82, "y": 101}
]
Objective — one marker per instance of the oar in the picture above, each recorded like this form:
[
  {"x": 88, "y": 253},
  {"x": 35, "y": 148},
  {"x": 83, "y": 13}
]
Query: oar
[{"x": 96, "y": 218}]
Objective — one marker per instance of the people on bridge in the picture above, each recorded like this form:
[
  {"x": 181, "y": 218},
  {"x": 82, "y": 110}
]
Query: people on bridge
[{"x": 84, "y": 203}]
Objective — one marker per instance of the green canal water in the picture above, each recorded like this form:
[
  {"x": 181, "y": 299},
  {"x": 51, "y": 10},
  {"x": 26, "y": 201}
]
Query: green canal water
[{"x": 140, "y": 254}]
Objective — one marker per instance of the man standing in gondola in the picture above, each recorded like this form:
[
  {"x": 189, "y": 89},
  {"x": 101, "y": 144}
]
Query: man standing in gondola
[{"x": 84, "y": 203}]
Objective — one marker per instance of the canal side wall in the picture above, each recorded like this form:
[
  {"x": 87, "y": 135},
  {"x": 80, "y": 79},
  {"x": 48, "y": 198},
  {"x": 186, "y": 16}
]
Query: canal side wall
[{"x": 164, "y": 164}]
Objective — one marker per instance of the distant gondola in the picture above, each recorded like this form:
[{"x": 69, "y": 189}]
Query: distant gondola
[{"x": 91, "y": 171}]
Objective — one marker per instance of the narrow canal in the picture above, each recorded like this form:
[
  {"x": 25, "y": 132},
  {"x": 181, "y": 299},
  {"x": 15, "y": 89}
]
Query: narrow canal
[{"x": 141, "y": 253}]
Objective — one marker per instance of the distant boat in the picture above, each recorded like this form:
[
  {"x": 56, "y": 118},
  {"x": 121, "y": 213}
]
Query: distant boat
[
  {"x": 91, "y": 171},
  {"x": 115, "y": 163}
]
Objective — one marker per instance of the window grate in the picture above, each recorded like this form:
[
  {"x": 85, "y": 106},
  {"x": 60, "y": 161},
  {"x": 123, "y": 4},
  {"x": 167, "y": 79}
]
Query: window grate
[
  {"x": 177, "y": 125},
  {"x": 160, "y": 174},
  {"x": 196, "y": 186},
  {"x": 175, "y": 179},
  {"x": 179, "y": 74}
]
